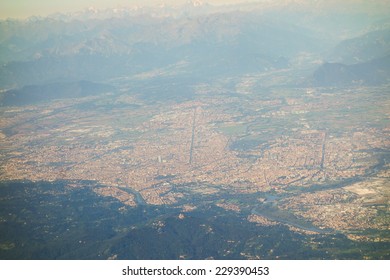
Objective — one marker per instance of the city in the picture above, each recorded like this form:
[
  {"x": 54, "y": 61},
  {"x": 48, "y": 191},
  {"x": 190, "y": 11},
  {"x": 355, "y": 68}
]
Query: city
[{"x": 162, "y": 152}]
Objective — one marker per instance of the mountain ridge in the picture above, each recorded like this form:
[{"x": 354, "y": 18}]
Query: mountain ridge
[{"x": 372, "y": 73}]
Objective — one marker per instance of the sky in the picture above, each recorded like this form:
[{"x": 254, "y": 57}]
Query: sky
[{"x": 26, "y": 8}]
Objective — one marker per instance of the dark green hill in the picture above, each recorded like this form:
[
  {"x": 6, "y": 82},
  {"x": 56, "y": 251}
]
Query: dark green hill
[
  {"x": 369, "y": 46},
  {"x": 50, "y": 220},
  {"x": 374, "y": 72}
]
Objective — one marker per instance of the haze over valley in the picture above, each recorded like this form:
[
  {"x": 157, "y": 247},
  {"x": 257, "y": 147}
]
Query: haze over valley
[{"x": 197, "y": 131}]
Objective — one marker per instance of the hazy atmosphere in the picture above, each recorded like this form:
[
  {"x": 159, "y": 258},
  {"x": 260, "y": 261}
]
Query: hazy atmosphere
[
  {"x": 26, "y": 8},
  {"x": 193, "y": 130}
]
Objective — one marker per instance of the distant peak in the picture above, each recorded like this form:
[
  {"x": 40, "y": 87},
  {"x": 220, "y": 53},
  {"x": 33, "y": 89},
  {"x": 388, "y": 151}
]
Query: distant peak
[
  {"x": 195, "y": 3},
  {"x": 92, "y": 9}
]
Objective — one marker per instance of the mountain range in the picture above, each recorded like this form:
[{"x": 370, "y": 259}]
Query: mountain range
[
  {"x": 371, "y": 73},
  {"x": 198, "y": 40}
]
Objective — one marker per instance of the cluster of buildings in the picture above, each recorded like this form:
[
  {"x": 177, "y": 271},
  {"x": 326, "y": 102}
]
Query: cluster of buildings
[{"x": 181, "y": 143}]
